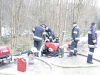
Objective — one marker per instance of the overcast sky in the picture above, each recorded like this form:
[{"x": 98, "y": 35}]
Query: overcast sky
[{"x": 98, "y": 3}]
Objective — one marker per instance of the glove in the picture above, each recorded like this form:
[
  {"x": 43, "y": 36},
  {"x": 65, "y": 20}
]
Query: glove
[
  {"x": 54, "y": 40},
  {"x": 47, "y": 40},
  {"x": 50, "y": 37},
  {"x": 33, "y": 29}
]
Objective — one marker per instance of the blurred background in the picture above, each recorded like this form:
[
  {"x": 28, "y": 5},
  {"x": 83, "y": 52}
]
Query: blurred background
[{"x": 18, "y": 17}]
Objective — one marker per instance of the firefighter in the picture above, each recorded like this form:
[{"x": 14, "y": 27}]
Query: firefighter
[
  {"x": 92, "y": 42},
  {"x": 75, "y": 38},
  {"x": 39, "y": 34},
  {"x": 50, "y": 34}
]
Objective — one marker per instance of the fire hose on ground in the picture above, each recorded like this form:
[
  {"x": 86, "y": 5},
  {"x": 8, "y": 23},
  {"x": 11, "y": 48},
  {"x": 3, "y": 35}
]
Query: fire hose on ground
[
  {"x": 24, "y": 52},
  {"x": 68, "y": 66},
  {"x": 61, "y": 66},
  {"x": 78, "y": 66}
]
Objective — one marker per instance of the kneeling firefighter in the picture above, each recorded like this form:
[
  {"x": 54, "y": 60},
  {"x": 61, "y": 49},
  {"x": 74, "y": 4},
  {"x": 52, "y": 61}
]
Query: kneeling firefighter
[{"x": 92, "y": 42}]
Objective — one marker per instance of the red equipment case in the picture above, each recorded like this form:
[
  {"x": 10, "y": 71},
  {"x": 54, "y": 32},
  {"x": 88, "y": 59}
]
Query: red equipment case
[{"x": 21, "y": 64}]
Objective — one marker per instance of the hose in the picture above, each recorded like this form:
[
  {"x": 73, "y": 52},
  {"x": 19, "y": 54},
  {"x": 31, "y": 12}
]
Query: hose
[
  {"x": 62, "y": 66},
  {"x": 78, "y": 66},
  {"x": 75, "y": 66},
  {"x": 7, "y": 73},
  {"x": 24, "y": 52},
  {"x": 68, "y": 66}
]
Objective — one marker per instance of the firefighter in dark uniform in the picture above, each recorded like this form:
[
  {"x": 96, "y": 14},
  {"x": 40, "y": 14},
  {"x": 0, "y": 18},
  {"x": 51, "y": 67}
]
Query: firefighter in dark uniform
[
  {"x": 92, "y": 42},
  {"x": 75, "y": 38},
  {"x": 50, "y": 34},
  {"x": 39, "y": 33}
]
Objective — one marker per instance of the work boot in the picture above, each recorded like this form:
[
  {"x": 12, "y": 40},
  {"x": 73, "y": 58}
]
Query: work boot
[
  {"x": 75, "y": 53},
  {"x": 89, "y": 59},
  {"x": 70, "y": 54},
  {"x": 90, "y": 62}
]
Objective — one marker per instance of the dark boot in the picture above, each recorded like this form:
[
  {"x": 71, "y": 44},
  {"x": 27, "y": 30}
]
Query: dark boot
[
  {"x": 70, "y": 54},
  {"x": 75, "y": 53},
  {"x": 89, "y": 59}
]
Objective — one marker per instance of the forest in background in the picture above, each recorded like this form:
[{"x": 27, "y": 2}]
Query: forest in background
[{"x": 18, "y": 17}]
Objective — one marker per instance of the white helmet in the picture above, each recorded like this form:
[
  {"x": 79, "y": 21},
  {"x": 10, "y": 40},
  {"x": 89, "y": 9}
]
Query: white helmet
[{"x": 33, "y": 49}]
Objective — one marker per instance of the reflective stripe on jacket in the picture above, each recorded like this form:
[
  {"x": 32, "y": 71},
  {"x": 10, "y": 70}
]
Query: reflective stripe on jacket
[
  {"x": 38, "y": 34},
  {"x": 92, "y": 37},
  {"x": 76, "y": 33}
]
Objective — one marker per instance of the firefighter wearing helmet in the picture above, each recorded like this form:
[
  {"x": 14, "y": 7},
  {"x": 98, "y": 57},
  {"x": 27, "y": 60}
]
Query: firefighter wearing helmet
[
  {"x": 92, "y": 42},
  {"x": 75, "y": 38}
]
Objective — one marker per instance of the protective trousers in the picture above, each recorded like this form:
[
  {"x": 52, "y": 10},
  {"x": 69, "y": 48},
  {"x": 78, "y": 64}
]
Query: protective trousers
[
  {"x": 90, "y": 55},
  {"x": 37, "y": 44},
  {"x": 73, "y": 48}
]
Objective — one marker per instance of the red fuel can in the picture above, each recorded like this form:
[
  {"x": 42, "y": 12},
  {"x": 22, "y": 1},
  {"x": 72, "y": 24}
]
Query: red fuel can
[{"x": 21, "y": 64}]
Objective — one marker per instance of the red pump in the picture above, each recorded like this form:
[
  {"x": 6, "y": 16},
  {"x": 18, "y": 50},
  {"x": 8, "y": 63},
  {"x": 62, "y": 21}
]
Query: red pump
[{"x": 50, "y": 49}]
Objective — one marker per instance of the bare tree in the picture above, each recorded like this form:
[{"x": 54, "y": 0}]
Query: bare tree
[
  {"x": 0, "y": 19},
  {"x": 22, "y": 15}
]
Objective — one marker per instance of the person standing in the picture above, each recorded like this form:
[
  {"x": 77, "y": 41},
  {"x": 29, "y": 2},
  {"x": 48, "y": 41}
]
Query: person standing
[
  {"x": 75, "y": 38},
  {"x": 39, "y": 32},
  {"x": 92, "y": 42}
]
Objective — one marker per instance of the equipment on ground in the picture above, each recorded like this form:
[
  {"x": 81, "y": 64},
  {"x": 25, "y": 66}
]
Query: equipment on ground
[
  {"x": 50, "y": 49},
  {"x": 21, "y": 64},
  {"x": 5, "y": 55}
]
